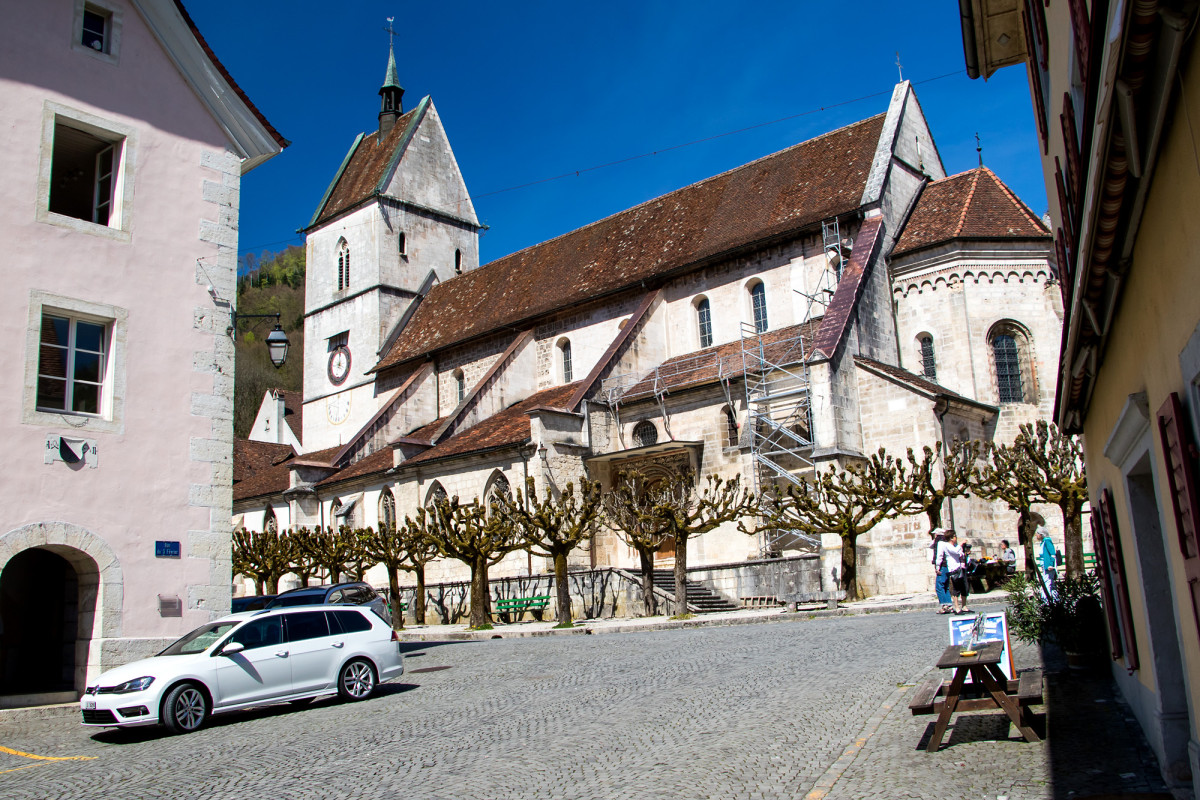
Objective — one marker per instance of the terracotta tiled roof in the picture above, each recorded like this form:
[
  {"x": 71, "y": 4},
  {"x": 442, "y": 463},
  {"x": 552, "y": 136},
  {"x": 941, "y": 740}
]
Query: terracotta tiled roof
[
  {"x": 771, "y": 197},
  {"x": 379, "y": 461},
  {"x": 510, "y": 426},
  {"x": 706, "y": 366},
  {"x": 216, "y": 62},
  {"x": 260, "y": 468},
  {"x": 915, "y": 381},
  {"x": 365, "y": 167},
  {"x": 971, "y": 205},
  {"x": 424, "y": 433},
  {"x": 849, "y": 287}
]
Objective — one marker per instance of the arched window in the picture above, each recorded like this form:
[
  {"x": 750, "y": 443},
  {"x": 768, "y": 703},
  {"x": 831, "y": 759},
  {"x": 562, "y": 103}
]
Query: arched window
[
  {"x": 704, "y": 322},
  {"x": 436, "y": 492},
  {"x": 460, "y": 385},
  {"x": 645, "y": 434},
  {"x": 402, "y": 244},
  {"x": 343, "y": 262},
  {"x": 497, "y": 487},
  {"x": 458, "y": 262},
  {"x": 1011, "y": 358},
  {"x": 564, "y": 359},
  {"x": 387, "y": 510},
  {"x": 758, "y": 306},
  {"x": 270, "y": 523},
  {"x": 731, "y": 426},
  {"x": 928, "y": 363}
]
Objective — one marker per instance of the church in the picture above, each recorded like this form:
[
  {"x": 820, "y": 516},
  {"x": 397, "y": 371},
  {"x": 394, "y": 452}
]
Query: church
[{"x": 795, "y": 313}]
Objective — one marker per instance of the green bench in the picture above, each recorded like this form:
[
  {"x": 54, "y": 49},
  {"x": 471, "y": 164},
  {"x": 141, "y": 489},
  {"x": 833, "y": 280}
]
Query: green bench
[
  {"x": 1090, "y": 561},
  {"x": 519, "y": 605}
]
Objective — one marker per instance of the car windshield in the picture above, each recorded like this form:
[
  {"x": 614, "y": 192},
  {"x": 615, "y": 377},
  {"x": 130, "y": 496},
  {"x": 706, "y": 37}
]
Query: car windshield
[
  {"x": 200, "y": 639},
  {"x": 306, "y": 599}
]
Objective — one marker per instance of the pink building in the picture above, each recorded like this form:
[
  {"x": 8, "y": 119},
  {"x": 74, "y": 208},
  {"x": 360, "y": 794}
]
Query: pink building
[{"x": 125, "y": 143}]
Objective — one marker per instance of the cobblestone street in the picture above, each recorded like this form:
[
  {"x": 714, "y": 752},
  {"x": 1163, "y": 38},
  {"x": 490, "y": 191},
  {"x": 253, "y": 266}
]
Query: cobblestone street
[{"x": 811, "y": 708}]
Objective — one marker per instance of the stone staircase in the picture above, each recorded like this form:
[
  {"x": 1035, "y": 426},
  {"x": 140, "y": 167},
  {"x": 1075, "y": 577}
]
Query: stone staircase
[{"x": 700, "y": 598}]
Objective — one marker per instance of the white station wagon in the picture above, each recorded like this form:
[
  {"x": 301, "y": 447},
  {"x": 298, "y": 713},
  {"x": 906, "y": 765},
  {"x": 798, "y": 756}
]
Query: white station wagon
[{"x": 253, "y": 658}]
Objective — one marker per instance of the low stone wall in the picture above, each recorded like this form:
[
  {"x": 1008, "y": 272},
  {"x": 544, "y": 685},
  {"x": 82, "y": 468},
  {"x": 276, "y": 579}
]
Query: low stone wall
[
  {"x": 595, "y": 594},
  {"x": 792, "y": 579}
]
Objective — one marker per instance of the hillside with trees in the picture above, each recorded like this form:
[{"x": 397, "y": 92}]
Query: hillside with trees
[{"x": 273, "y": 284}]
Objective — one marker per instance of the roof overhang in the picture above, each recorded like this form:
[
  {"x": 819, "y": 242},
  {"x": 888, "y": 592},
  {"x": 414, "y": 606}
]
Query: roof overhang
[
  {"x": 648, "y": 450},
  {"x": 993, "y": 35}
]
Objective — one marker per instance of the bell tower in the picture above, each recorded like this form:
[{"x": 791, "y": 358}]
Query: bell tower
[{"x": 391, "y": 94}]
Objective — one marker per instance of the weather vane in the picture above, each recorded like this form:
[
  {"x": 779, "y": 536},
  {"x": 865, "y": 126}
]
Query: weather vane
[
  {"x": 390, "y": 31},
  {"x": 979, "y": 148},
  {"x": 899, "y": 68}
]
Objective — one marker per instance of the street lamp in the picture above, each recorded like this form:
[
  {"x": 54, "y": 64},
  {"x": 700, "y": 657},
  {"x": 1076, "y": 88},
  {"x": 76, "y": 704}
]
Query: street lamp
[{"x": 277, "y": 340}]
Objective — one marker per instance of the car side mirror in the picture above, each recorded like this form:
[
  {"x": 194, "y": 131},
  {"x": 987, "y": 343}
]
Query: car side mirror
[{"x": 231, "y": 648}]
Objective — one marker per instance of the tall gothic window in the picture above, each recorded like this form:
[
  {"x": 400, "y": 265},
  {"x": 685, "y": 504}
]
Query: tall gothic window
[
  {"x": 564, "y": 357},
  {"x": 758, "y": 303},
  {"x": 270, "y": 523},
  {"x": 387, "y": 510},
  {"x": 1011, "y": 357},
  {"x": 436, "y": 492},
  {"x": 343, "y": 263},
  {"x": 731, "y": 427},
  {"x": 704, "y": 322},
  {"x": 928, "y": 363},
  {"x": 645, "y": 434},
  {"x": 458, "y": 262},
  {"x": 460, "y": 385}
]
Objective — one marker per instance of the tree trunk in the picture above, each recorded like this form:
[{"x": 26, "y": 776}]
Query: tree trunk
[
  {"x": 1073, "y": 540},
  {"x": 479, "y": 588},
  {"x": 681, "y": 576},
  {"x": 850, "y": 568},
  {"x": 419, "y": 600},
  {"x": 934, "y": 512},
  {"x": 563, "y": 589},
  {"x": 272, "y": 584},
  {"x": 1025, "y": 537},
  {"x": 394, "y": 591},
  {"x": 648, "y": 596},
  {"x": 303, "y": 576},
  {"x": 258, "y": 586}
]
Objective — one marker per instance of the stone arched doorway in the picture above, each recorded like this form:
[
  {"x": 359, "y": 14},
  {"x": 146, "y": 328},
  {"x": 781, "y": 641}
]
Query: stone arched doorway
[{"x": 60, "y": 592}]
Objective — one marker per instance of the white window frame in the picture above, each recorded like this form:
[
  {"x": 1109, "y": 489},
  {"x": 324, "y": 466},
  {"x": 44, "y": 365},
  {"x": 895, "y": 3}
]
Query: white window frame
[
  {"x": 124, "y": 140},
  {"x": 111, "y": 419},
  {"x": 111, "y": 54}
]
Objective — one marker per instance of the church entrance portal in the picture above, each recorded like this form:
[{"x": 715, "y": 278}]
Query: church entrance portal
[{"x": 40, "y": 616}]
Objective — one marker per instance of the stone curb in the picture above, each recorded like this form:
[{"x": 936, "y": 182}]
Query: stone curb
[{"x": 10, "y": 716}]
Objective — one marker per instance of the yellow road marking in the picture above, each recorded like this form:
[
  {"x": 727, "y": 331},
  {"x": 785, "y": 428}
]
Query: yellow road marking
[
  {"x": 18, "y": 769},
  {"x": 12, "y": 752}
]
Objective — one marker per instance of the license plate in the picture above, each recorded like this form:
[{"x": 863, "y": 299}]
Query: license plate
[{"x": 89, "y": 705}]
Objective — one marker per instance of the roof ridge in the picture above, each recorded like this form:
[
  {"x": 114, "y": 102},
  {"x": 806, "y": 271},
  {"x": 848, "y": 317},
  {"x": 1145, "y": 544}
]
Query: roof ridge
[
  {"x": 1018, "y": 202},
  {"x": 962, "y": 217},
  {"x": 647, "y": 202}
]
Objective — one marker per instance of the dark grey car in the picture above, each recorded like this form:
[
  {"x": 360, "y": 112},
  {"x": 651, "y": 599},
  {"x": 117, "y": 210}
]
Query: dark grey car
[{"x": 352, "y": 594}]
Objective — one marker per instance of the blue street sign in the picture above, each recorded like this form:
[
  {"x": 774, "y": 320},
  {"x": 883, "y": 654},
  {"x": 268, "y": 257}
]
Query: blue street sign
[{"x": 166, "y": 549}]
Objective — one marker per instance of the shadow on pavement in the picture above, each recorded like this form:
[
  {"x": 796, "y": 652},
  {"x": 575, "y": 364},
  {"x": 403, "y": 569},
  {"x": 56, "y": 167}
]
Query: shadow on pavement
[{"x": 127, "y": 736}]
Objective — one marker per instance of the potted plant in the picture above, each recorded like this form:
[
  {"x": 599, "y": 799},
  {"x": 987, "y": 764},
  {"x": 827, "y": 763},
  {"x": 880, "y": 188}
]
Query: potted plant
[{"x": 1071, "y": 618}]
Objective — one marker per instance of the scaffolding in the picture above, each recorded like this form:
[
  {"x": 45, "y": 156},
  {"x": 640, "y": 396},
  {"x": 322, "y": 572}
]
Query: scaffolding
[
  {"x": 658, "y": 382},
  {"x": 781, "y": 435}
]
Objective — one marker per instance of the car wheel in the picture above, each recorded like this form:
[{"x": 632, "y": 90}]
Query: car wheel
[
  {"x": 356, "y": 681},
  {"x": 185, "y": 708}
]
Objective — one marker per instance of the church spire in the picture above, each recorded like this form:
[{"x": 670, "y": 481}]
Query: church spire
[{"x": 391, "y": 93}]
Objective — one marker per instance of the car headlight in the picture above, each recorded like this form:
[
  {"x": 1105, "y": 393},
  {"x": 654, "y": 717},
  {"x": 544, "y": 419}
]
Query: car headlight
[{"x": 135, "y": 685}]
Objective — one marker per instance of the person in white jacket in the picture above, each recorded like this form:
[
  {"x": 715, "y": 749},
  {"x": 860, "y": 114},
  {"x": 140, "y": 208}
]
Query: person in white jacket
[{"x": 951, "y": 554}]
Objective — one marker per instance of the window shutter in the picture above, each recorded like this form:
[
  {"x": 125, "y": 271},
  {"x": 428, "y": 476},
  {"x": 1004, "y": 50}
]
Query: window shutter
[
  {"x": 1081, "y": 27},
  {"x": 1065, "y": 208},
  {"x": 1100, "y": 546},
  {"x": 1120, "y": 584},
  {"x": 1180, "y": 454},
  {"x": 1070, "y": 134},
  {"x": 1066, "y": 270}
]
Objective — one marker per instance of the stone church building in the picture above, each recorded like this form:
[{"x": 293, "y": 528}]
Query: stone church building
[{"x": 795, "y": 313}]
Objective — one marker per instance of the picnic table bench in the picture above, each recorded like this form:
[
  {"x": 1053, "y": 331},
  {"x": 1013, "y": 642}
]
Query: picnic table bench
[
  {"x": 943, "y": 698},
  {"x": 519, "y": 605}
]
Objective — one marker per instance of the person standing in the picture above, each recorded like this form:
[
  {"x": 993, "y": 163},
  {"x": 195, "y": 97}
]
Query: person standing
[
  {"x": 1047, "y": 558},
  {"x": 941, "y": 579},
  {"x": 950, "y": 555}
]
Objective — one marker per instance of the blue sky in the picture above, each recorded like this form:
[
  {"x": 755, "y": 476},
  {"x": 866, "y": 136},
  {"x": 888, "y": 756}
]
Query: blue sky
[{"x": 532, "y": 90}]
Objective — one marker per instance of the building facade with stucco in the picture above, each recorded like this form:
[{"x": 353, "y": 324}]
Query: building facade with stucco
[
  {"x": 125, "y": 145},
  {"x": 764, "y": 322}
]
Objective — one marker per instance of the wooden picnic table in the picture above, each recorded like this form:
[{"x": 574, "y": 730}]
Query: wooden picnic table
[{"x": 998, "y": 692}]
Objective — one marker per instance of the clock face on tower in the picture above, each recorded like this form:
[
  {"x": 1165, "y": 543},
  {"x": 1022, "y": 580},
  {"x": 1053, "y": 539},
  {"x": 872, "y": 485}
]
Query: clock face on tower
[
  {"x": 337, "y": 407},
  {"x": 339, "y": 364}
]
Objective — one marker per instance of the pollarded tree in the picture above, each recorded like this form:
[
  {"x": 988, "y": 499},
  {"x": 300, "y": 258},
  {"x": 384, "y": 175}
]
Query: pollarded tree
[
  {"x": 387, "y": 547},
  {"x": 332, "y": 551},
  {"x": 264, "y": 556},
  {"x": 688, "y": 510},
  {"x": 1053, "y": 464},
  {"x": 628, "y": 511},
  {"x": 1004, "y": 477},
  {"x": 302, "y": 564},
  {"x": 552, "y": 527},
  {"x": 360, "y": 560},
  {"x": 467, "y": 533},
  {"x": 937, "y": 477},
  {"x": 848, "y": 502},
  {"x": 419, "y": 549}
]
